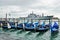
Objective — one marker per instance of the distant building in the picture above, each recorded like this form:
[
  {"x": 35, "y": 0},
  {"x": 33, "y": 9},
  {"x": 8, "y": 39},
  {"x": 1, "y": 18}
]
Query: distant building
[
  {"x": 30, "y": 17},
  {"x": 33, "y": 17},
  {"x": 9, "y": 19}
]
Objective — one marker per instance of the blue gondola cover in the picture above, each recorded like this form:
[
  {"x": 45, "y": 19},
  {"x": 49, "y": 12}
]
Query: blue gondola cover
[{"x": 54, "y": 27}]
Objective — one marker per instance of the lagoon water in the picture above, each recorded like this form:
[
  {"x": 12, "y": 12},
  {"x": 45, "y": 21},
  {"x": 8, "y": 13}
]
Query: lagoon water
[{"x": 28, "y": 35}]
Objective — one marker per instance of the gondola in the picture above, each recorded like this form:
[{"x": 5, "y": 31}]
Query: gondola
[
  {"x": 6, "y": 26},
  {"x": 43, "y": 27},
  {"x": 29, "y": 26},
  {"x": 20, "y": 26},
  {"x": 12, "y": 24},
  {"x": 54, "y": 27}
]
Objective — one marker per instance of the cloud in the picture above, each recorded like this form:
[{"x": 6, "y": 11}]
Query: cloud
[{"x": 25, "y": 7}]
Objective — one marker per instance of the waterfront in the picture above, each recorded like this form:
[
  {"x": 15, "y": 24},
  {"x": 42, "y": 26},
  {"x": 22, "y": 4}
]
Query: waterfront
[
  {"x": 27, "y": 35},
  {"x": 16, "y": 12}
]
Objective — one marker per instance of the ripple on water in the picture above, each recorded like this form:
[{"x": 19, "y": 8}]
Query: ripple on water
[{"x": 28, "y": 35}]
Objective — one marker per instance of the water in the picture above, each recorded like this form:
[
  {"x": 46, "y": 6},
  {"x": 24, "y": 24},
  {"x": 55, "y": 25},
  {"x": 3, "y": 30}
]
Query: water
[{"x": 28, "y": 35}]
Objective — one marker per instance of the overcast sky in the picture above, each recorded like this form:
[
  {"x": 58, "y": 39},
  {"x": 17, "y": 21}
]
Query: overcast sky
[{"x": 24, "y": 7}]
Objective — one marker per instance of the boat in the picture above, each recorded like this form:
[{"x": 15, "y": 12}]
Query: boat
[
  {"x": 54, "y": 27},
  {"x": 20, "y": 26},
  {"x": 35, "y": 25},
  {"x": 29, "y": 26},
  {"x": 42, "y": 27},
  {"x": 6, "y": 26},
  {"x": 12, "y": 24}
]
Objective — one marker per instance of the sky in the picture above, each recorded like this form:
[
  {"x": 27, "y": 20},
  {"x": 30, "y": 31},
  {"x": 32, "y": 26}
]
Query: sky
[{"x": 21, "y": 8}]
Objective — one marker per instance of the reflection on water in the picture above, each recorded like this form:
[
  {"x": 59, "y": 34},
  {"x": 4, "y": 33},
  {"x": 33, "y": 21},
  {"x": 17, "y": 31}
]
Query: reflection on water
[
  {"x": 40, "y": 33},
  {"x": 13, "y": 30},
  {"x": 54, "y": 35},
  {"x": 13, "y": 34},
  {"x": 29, "y": 33},
  {"x": 21, "y": 31}
]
